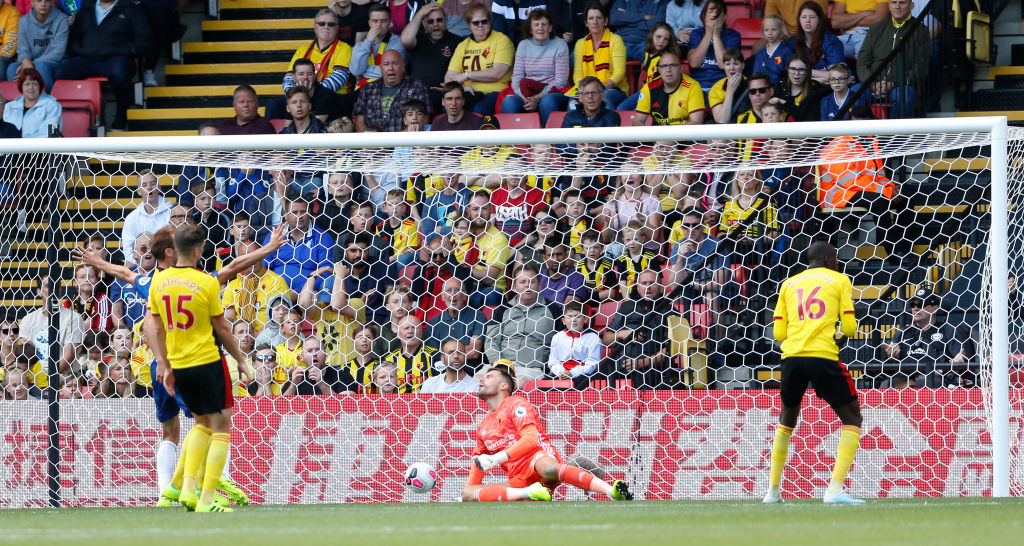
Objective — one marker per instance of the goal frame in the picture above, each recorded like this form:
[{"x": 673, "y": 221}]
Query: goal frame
[{"x": 998, "y": 237}]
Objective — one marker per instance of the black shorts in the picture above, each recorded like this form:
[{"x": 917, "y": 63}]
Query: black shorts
[
  {"x": 205, "y": 388},
  {"x": 831, "y": 380}
]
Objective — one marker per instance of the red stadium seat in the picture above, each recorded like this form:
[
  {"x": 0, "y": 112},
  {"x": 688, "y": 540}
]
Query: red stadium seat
[
  {"x": 627, "y": 117},
  {"x": 77, "y": 122},
  {"x": 523, "y": 120},
  {"x": 10, "y": 90},
  {"x": 555, "y": 120},
  {"x": 749, "y": 29},
  {"x": 737, "y": 10},
  {"x": 79, "y": 94},
  {"x": 279, "y": 124},
  {"x": 547, "y": 385},
  {"x": 604, "y": 314},
  {"x": 632, "y": 75}
]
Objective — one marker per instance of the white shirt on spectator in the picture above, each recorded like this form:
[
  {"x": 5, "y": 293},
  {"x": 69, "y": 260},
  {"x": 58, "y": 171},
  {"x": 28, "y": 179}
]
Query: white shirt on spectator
[
  {"x": 139, "y": 221},
  {"x": 437, "y": 384},
  {"x": 35, "y": 329},
  {"x": 583, "y": 349}
]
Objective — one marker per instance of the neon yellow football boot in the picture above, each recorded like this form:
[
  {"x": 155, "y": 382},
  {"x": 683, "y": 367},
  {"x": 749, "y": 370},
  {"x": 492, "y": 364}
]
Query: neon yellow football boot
[
  {"x": 231, "y": 489},
  {"x": 538, "y": 492}
]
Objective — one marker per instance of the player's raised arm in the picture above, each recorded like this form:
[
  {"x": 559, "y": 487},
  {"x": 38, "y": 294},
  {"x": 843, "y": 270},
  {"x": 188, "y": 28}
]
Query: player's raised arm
[
  {"x": 241, "y": 263},
  {"x": 92, "y": 258}
]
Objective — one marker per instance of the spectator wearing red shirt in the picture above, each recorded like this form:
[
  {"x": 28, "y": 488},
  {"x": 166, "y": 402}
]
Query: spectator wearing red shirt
[
  {"x": 515, "y": 204},
  {"x": 91, "y": 304}
]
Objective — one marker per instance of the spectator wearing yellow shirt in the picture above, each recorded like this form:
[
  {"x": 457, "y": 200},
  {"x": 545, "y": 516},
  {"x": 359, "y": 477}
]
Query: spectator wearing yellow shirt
[
  {"x": 288, "y": 352},
  {"x": 13, "y": 351},
  {"x": 336, "y": 316},
  {"x": 494, "y": 253},
  {"x": 486, "y": 161},
  {"x": 482, "y": 63},
  {"x": 361, "y": 366},
  {"x": 749, "y": 221},
  {"x": 399, "y": 230},
  {"x": 247, "y": 295}
]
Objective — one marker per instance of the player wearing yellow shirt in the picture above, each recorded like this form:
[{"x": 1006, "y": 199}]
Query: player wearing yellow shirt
[
  {"x": 809, "y": 307},
  {"x": 676, "y": 99},
  {"x": 189, "y": 322}
]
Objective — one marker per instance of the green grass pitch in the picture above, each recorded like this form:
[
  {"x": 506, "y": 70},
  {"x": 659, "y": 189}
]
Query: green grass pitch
[{"x": 898, "y": 521}]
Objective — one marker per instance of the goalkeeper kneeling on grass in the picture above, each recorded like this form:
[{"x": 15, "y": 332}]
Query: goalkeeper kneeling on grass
[{"x": 511, "y": 435}]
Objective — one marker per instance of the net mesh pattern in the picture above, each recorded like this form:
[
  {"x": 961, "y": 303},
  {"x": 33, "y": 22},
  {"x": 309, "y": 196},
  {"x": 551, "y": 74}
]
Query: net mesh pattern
[{"x": 672, "y": 384}]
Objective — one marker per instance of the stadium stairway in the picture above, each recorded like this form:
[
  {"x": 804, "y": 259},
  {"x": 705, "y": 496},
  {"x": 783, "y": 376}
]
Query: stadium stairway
[
  {"x": 999, "y": 89},
  {"x": 251, "y": 43}
]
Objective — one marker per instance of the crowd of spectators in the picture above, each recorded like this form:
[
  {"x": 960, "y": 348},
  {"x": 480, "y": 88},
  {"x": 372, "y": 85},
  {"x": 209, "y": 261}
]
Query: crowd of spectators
[{"x": 402, "y": 281}]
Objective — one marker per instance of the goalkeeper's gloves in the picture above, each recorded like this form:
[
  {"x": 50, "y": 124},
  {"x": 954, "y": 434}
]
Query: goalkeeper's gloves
[{"x": 487, "y": 462}]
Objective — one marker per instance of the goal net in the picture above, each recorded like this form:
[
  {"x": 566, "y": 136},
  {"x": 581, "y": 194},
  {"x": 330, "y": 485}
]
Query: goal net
[{"x": 671, "y": 242}]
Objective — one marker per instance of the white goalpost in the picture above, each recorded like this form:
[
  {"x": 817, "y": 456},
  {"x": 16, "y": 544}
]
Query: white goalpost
[{"x": 704, "y": 433}]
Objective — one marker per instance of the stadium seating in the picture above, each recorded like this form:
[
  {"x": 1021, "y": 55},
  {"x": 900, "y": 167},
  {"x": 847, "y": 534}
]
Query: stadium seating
[
  {"x": 737, "y": 10},
  {"x": 77, "y": 122},
  {"x": 555, "y": 120},
  {"x": 750, "y": 31},
  {"x": 524, "y": 120},
  {"x": 9, "y": 90},
  {"x": 80, "y": 94},
  {"x": 279, "y": 124},
  {"x": 627, "y": 117}
]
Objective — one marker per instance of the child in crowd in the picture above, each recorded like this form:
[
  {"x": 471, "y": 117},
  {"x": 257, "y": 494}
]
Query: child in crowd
[
  {"x": 440, "y": 208},
  {"x": 575, "y": 351},
  {"x": 288, "y": 353},
  {"x": 119, "y": 381},
  {"x": 598, "y": 271},
  {"x": 464, "y": 251},
  {"x": 385, "y": 379},
  {"x": 401, "y": 231},
  {"x": 774, "y": 57},
  {"x": 636, "y": 258},
  {"x": 728, "y": 96},
  {"x": 839, "y": 81},
  {"x": 361, "y": 367},
  {"x": 399, "y": 302},
  {"x": 575, "y": 221},
  {"x": 241, "y": 231},
  {"x": 271, "y": 333},
  {"x": 341, "y": 125}
]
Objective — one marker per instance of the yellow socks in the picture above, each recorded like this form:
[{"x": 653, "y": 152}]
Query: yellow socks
[
  {"x": 215, "y": 458},
  {"x": 848, "y": 442},
  {"x": 179, "y": 468},
  {"x": 194, "y": 454},
  {"x": 780, "y": 448}
]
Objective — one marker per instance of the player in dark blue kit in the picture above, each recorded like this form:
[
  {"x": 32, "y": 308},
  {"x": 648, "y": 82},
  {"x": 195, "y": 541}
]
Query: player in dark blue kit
[{"x": 168, "y": 407}]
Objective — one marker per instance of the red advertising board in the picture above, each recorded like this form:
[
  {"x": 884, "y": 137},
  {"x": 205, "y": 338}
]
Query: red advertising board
[{"x": 668, "y": 445}]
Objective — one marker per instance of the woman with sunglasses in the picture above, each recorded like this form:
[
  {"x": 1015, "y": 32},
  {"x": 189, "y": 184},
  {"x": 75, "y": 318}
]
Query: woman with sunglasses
[
  {"x": 814, "y": 40},
  {"x": 483, "y": 62},
  {"x": 801, "y": 96},
  {"x": 602, "y": 54}
]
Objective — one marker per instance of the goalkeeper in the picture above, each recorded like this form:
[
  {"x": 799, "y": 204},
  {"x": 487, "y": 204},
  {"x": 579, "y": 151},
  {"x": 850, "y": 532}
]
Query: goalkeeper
[
  {"x": 810, "y": 304},
  {"x": 511, "y": 435}
]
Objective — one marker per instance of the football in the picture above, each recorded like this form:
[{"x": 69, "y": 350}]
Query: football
[{"x": 420, "y": 477}]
